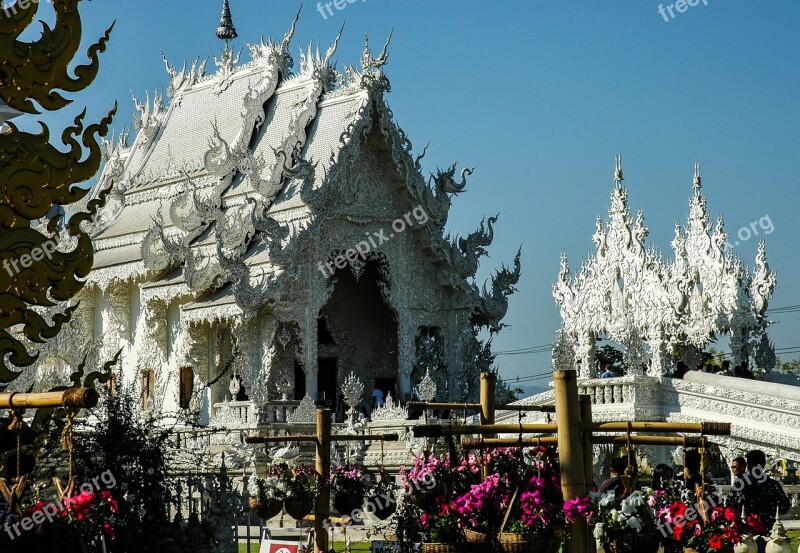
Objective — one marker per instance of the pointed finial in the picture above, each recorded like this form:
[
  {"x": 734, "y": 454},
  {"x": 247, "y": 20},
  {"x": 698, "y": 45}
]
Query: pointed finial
[
  {"x": 618, "y": 178},
  {"x": 226, "y": 31},
  {"x": 697, "y": 182}
]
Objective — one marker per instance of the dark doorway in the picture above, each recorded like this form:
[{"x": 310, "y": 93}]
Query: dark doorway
[{"x": 299, "y": 382}]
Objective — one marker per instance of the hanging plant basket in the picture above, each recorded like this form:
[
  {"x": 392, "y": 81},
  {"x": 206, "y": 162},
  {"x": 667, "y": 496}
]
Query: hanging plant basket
[
  {"x": 633, "y": 543},
  {"x": 265, "y": 510},
  {"x": 346, "y": 504},
  {"x": 384, "y": 508},
  {"x": 475, "y": 538},
  {"x": 298, "y": 508},
  {"x": 531, "y": 543}
]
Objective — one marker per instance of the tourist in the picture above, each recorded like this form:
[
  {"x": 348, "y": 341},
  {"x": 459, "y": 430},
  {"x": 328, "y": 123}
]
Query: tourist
[
  {"x": 377, "y": 398},
  {"x": 746, "y": 372},
  {"x": 735, "y": 499},
  {"x": 614, "y": 483},
  {"x": 692, "y": 476},
  {"x": 726, "y": 368},
  {"x": 662, "y": 476},
  {"x": 763, "y": 495},
  {"x": 608, "y": 372},
  {"x": 680, "y": 370}
]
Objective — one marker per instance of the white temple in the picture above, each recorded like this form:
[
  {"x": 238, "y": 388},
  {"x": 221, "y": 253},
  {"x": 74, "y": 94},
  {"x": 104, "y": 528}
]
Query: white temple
[
  {"x": 629, "y": 293},
  {"x": 269, "y": 232}
]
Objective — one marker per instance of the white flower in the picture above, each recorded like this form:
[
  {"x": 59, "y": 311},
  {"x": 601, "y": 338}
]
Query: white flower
[
  {"x": 618, "y": 516},
  {"x": 635, "y": 523},
  {"x": 636, "y": 499},
  {"x": 608, "y": 499}
]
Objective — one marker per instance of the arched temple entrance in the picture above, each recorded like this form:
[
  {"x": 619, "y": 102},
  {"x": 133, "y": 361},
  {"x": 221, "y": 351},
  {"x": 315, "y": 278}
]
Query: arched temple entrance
[{"x": 357, "y": 332}]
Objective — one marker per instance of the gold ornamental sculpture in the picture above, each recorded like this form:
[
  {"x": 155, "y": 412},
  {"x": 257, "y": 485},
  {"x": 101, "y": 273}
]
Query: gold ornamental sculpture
[{"x": 35, "y": 176}]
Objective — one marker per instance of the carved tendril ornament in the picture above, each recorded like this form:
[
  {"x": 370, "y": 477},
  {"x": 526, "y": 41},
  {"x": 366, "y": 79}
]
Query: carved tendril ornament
[{"x": 36, "y": 176}]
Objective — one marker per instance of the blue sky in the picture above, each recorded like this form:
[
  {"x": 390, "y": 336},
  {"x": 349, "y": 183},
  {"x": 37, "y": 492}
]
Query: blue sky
[{"x": 539, "y": 96}]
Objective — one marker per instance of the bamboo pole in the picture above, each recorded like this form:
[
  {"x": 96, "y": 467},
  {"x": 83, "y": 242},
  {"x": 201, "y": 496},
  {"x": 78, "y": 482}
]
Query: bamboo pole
[
  {"x": 424, "y": 405},
  {"x": 487, "y": 443},
  {"x": 707, "y": 428},
  {"x": 488, "y": 387},
  {"x": 585, "y": 411},
  {"x": 570, "y": 453},
  {"x": 322, "y": 511},
  {"x": 390, "y": 437},
  {"x": 73, "y": 397}
]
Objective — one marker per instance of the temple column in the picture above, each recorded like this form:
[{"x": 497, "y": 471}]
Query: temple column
[
  {"x": 585, "y": 352},
  {"x": 406, "y": 351},
  {"x": 308, "y": 342},
  {"x": 116, "y": 319}
]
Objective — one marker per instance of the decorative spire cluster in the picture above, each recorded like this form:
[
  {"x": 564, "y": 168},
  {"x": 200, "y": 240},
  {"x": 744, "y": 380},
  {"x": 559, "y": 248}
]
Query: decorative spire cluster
[{"x": 226, "y": 30}]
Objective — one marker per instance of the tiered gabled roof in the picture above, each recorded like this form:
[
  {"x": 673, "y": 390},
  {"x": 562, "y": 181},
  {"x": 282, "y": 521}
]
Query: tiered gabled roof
[{"x": 223, "y": 177}]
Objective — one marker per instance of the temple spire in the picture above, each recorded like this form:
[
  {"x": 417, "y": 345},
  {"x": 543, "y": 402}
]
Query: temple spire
[
  {"x": 697, "y": 182},
  {"x": 618, "y": 178},
  {"x": 226, "y": 30}
]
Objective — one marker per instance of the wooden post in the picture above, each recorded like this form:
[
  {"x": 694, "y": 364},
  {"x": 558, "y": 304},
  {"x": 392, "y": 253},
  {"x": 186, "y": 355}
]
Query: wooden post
[
  {"x": 570, "y": 453},
  {"x": 585, "y": 410},
  {"x": 488, "y": 386},
  {"x": 322, "y": 510}
]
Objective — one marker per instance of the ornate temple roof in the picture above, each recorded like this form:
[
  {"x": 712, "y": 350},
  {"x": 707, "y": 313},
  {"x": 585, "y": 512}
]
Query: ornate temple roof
[{"x": 229, "y": 168}]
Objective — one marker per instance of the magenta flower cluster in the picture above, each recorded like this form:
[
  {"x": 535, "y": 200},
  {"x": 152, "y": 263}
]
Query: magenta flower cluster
[
  {"x": 580, "y": 508},
  {"x": 483, "y": 506}
]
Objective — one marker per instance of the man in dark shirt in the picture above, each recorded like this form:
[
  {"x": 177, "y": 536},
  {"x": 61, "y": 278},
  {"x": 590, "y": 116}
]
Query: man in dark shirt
[
  {"x": 763, "y": 495},
  {"x": 615, "y": 484}
]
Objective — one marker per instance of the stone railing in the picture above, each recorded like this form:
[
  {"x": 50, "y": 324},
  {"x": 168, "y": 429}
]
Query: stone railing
[{"x": 250, "y": 414}]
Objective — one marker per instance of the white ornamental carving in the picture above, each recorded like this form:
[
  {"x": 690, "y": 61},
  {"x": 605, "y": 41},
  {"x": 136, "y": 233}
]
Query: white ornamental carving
[
  {"x": 306, "y": 412},
  {"x": 390, "y": 411},
  {"x": 627, "y": 288}
]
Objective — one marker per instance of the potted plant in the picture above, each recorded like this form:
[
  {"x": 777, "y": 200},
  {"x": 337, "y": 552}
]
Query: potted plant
[
  {"x": 481, "y": 509},
  {"x": 267, "y": 501},
  {"x": 626, "y": 524},
  {"x": 441, "y": 531},
  {"x": 301, "y": 491},
  {"x": 536, "y": 517},
  {"x": 349, "y": 486}
]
